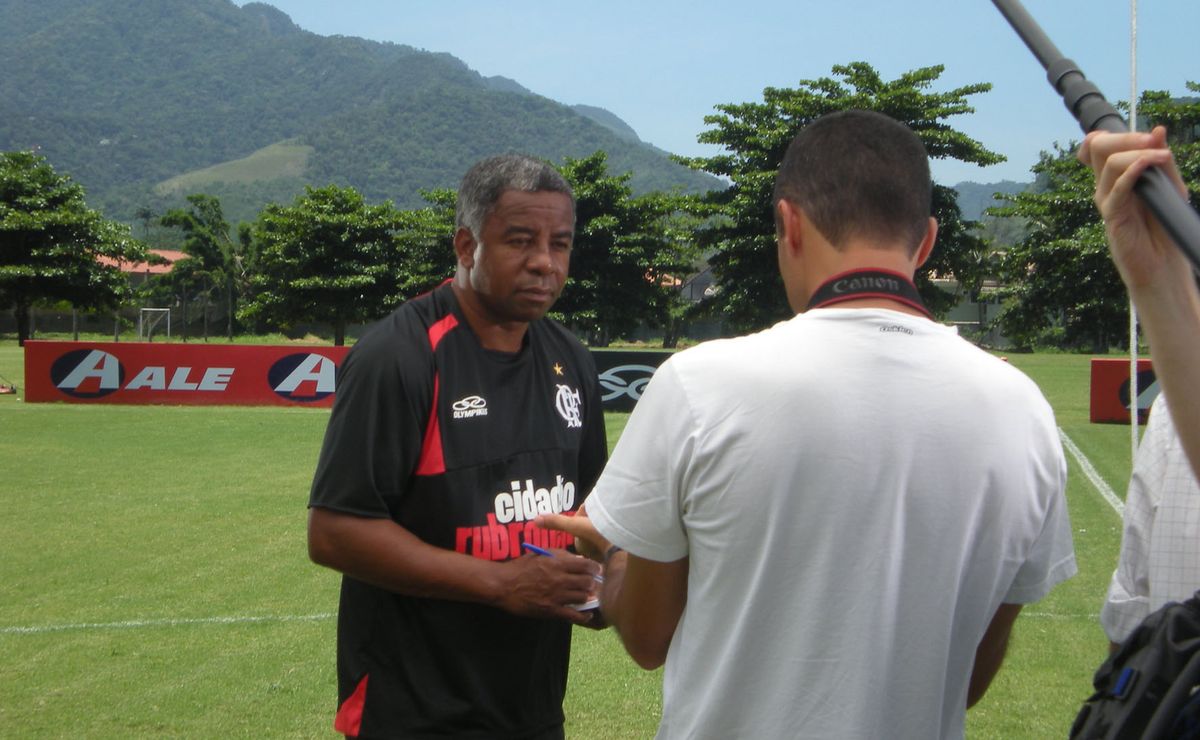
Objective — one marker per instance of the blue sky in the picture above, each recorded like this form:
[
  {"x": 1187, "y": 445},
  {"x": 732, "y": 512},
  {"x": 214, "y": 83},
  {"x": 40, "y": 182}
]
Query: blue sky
[{"x": 662, "y": 65}]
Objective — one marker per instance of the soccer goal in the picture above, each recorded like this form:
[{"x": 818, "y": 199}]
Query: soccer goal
[{"x": 149, "y": 319}]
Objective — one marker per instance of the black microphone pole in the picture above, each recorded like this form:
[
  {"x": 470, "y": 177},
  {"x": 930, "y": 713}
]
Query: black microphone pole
[{"x": 1094, "y": 113}]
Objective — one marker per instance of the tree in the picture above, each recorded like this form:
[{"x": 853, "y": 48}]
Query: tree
[
  {"x": 426, "y": 243},
  {"x": 332, "y": 258},
  {"x": 739, "y": 236},
  {"x": 51, "y": 242},
  {"x": 1060, "y": 287},
  {"x": 625, "y": 258},
  {"x": 243, "y": 263},
  {"x": 1181, "y": 116},
  {"x": 211, "y": 260},
  {"x": 676, "y": 261}
]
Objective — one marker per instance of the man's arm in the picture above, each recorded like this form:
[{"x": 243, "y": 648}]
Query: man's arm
[
  {"x": 643, "y": 600},
  {"x": 385, "y": 554},
  {"x": 990, "y": 652},
  {"x": 1159, "y": 278}
]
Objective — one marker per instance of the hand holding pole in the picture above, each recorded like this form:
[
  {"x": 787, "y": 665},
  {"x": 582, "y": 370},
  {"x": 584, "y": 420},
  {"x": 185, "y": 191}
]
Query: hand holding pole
[{"x": 1094, "y": 113}]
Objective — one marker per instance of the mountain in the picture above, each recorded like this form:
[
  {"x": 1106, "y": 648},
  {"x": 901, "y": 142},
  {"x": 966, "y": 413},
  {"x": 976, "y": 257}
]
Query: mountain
[
  {"x": 974, "y": 198},
  {"x": 609, "y": 120},
  {"x": 145, "y": 101}
]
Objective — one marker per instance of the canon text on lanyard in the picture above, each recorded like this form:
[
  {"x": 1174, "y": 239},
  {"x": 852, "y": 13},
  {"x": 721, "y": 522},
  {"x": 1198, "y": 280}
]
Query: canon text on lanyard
[{"x": 855, "y": 284}]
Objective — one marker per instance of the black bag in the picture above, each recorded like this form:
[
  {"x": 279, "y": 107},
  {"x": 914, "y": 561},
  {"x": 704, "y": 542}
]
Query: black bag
[{"x": 1145, "y": 689}]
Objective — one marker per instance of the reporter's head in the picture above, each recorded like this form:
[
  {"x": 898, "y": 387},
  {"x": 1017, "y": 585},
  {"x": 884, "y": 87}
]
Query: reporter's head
[{"x": 859, "y": 175}]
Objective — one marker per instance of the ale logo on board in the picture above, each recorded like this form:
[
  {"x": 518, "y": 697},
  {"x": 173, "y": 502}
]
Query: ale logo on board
[
  {"x": 303, "y": 377},
  {"x": 87, "y": 373}
]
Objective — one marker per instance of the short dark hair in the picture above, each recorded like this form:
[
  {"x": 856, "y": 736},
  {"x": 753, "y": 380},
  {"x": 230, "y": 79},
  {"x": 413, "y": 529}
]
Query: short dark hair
[
  {"x": 487, "y": 180},
  {"x": 858, "y": 173}
]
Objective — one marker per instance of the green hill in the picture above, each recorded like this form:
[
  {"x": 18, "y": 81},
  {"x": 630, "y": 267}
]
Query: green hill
[
  {"x": 143, "y": 101},
  {"x": 283, "y": 161},
  {"x": 974, "y": 198}
]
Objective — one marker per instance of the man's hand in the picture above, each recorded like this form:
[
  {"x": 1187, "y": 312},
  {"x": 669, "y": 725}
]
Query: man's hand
[
  {"x": 540, "y": 586},
  {"x": 1140, "y": 247},
  {"x": 386, "y": 555},
  {"x": 588, "y": 541}
]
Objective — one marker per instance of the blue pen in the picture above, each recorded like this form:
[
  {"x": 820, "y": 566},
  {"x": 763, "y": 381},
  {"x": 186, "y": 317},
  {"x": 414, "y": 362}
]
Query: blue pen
[
  {"x": 589, "y": 604},
  {"x": 543, "y": 551}
]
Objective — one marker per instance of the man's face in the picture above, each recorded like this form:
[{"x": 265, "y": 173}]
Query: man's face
[{"x": 518, "y": 264}]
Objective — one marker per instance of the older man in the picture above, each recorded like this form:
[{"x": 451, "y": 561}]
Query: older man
[{"x": 458, "y": 419}]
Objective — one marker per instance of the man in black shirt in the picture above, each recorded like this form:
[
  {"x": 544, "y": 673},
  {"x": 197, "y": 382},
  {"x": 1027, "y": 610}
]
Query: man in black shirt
[{"x": 459, "y": 418}]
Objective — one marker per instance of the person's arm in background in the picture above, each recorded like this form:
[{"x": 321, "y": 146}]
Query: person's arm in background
[{"x": 1158, "y": 276}]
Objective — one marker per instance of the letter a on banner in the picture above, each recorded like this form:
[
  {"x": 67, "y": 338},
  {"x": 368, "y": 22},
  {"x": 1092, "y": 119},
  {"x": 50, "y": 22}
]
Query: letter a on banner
[
  {"x": 100, "y": 365},
  {"x": 314, "y": 368}
]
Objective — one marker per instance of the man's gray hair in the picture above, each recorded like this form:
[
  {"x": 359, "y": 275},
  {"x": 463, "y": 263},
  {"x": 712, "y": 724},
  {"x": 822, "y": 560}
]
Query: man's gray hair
[{"x": 487, "y": 180}]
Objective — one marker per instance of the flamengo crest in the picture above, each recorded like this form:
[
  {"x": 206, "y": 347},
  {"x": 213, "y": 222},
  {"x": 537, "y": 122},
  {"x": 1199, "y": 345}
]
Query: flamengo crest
[{"x": 567, "y": 403}]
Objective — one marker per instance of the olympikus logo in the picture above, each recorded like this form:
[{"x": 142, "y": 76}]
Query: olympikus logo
[
  {"x": 469, "y": 406},
  {"x": 304, "y": 377},
  {"x": 93, "y": 373}
]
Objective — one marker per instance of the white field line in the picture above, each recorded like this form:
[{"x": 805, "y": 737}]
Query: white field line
[
  {"x": 1050, "y": 615},
  {"x": 142, "y": 623},
  {"x": 1097, "y": 482}
]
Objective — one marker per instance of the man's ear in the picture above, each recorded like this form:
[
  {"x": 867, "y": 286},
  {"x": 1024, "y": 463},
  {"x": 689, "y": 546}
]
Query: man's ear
[
  {"x": 464, "y": 247},
  {"x": 787, "y": 227},
  {"x": 926, "y": 246},
  {"x": 790, "y": 252}
]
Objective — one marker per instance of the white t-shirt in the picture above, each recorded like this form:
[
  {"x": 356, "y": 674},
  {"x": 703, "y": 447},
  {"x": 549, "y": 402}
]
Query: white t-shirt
[
  {"x": 1160, "y": 546},
  {"x": 858, "y": 491}
]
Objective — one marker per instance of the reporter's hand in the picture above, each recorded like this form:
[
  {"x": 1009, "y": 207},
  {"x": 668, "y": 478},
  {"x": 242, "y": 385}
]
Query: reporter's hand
[
  {"x": 544, "y": 587},
  {"x": 588, "y": 541},
  {"x": 1142, "y": 250}
]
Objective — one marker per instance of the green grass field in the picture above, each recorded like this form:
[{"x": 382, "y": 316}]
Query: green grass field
[{"x": 154, "y": 580}]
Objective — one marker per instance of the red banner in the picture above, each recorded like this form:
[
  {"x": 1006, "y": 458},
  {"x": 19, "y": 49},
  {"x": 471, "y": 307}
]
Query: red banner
[
  {"x": 183, "y": 374},
  {"x": 1111, "y": 390},
  {"x": 241, "y": 374}
]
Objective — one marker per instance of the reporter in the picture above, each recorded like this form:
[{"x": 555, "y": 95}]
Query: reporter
[{"x": 831, "y": 525}]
